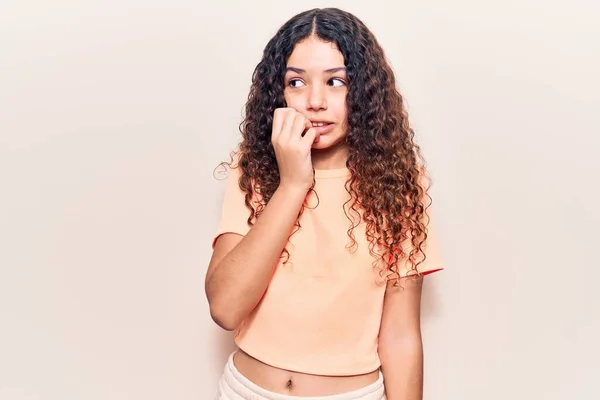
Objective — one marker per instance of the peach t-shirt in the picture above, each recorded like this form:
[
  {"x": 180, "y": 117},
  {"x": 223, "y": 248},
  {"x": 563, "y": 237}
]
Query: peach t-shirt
[{"x": 322, "y": 310}]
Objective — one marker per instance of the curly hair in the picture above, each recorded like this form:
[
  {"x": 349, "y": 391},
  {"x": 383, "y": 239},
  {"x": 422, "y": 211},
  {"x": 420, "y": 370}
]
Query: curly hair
[{"x": 386, "y": 166}]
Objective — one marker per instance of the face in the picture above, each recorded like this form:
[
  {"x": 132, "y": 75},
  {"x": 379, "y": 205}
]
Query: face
[{"x": 316, "y": 86}]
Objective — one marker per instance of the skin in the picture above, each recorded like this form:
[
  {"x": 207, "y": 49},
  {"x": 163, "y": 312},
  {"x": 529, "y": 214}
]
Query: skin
[
  {"x": 315, "y": 90},
  {"x": 316, "y": 86}
]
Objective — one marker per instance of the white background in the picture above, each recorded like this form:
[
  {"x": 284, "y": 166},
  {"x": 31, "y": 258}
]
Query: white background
[{"x": 113, "y": 115}]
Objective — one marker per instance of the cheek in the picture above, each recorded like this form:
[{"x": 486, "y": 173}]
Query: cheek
[
  {"x": 340, "y": 109},
  {"x": 337, "y": 103},
  {"x": 291, "y": 100}
]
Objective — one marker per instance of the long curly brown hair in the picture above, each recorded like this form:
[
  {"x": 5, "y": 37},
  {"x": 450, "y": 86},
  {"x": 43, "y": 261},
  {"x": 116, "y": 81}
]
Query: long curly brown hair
[{"x": 387, "y": 170}]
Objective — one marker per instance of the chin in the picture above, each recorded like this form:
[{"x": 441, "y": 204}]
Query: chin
[
  {"x": 320, "y": 146},
  {"x": 326, "y": 143}
]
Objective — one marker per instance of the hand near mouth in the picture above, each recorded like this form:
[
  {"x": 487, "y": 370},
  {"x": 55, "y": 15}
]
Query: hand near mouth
[{"x": 292, "y": 137}]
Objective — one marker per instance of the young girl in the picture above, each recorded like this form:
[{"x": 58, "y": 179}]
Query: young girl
[{"x": 324, "y": 236}]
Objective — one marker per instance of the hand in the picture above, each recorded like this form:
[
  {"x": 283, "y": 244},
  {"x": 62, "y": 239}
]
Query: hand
[{"x": 292, "y": 138}]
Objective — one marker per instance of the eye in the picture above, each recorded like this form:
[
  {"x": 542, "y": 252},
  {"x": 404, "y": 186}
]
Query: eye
[
  {"x": 336, "y": 82},
  {"x": 295, "y": 83}
]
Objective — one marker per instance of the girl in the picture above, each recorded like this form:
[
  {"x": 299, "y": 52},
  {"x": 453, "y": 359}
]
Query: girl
[{"x": 324, "y": 237}]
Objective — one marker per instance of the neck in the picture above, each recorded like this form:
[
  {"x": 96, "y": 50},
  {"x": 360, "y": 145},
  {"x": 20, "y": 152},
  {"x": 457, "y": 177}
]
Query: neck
[{"x": 331, "y": 158}]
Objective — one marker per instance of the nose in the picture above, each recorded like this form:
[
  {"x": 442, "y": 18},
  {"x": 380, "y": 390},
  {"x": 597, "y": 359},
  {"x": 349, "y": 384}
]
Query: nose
[{"x": 317, "y": 98}]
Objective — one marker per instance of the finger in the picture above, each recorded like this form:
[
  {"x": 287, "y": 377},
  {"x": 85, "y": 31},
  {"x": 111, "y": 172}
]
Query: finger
[
  {"x": 311, "y": 137},
  {"x": 298, "y": 127},
  {"x": 308, "y": 124},
  {"x": 278, "y": 117},
  {"x": 287, "y": 126}
]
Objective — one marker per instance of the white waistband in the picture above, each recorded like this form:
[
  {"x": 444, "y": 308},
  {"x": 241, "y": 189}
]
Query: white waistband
[{"x": 234, "y": 386}]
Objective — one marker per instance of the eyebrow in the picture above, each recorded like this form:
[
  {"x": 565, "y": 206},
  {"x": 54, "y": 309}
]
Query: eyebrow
[{"x": 328, "y": 71}]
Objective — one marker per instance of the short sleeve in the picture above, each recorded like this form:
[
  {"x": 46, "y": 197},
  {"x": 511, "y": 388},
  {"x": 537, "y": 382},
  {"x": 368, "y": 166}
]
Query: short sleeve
[
  {"x": 234, "y": 213},
  {"x": 433, "y": 261}
]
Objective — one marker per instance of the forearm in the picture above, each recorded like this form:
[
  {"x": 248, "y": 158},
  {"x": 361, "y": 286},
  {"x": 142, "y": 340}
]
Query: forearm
[
  {"x": 402, "y": 367},
  {"x": 242, "y": 276}
]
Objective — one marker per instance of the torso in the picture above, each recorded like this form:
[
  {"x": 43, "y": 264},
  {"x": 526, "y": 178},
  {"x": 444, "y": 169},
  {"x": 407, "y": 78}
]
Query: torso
[
  {"x": 298, "y": 384},
  {"x": 322, "y": 309}
]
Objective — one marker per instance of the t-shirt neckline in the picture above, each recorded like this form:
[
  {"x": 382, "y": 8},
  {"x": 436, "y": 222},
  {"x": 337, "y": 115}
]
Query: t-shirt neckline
[{"x": 332, "y": 173}]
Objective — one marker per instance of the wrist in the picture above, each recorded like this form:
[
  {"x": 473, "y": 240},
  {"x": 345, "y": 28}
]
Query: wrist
[{"x": 292, "y": 192}]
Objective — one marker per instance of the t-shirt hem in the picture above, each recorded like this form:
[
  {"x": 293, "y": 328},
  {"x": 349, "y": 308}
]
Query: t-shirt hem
[
  {"x": 425, "y": 272},
  {"x": 431, "y": 271},
  {"x": 288, "y": 366}
]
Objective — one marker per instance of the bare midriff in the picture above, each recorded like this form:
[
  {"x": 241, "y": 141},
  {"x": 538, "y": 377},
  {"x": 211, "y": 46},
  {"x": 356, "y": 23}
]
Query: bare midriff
[{"x": 295, "y": 383}]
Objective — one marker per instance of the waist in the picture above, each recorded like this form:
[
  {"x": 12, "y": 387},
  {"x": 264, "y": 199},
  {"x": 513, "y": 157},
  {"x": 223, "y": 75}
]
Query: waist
[{"x": 287, "y": 382}]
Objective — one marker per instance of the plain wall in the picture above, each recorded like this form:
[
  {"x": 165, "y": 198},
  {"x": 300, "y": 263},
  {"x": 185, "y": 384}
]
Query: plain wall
[{"x": 113, "y": 116}]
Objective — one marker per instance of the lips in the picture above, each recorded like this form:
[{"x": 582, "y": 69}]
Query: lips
[
  {"x": 322, "y": 127},
  {"x": 320, "y": 123}
]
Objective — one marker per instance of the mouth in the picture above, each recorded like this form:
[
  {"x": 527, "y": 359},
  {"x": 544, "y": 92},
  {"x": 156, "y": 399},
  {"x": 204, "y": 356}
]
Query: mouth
[
  {"x": 322, "y": 127},
  {"x": 320, "y": 123}
]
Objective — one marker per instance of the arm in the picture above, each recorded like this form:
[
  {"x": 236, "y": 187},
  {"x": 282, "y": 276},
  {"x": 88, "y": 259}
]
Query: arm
[
  {"x": 400, "y": 344},
  {"x": 241, "y": 267}
]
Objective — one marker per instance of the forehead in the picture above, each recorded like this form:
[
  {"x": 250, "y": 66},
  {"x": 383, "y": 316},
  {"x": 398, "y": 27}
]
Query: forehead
[{"x": 316, "y": 54}]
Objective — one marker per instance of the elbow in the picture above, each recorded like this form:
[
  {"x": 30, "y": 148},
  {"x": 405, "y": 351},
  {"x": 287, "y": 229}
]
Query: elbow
[
  {"x": 222, "y": 315},
  {"x": 226, "y": 319},
  {"x": 226, "y": 311}
]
